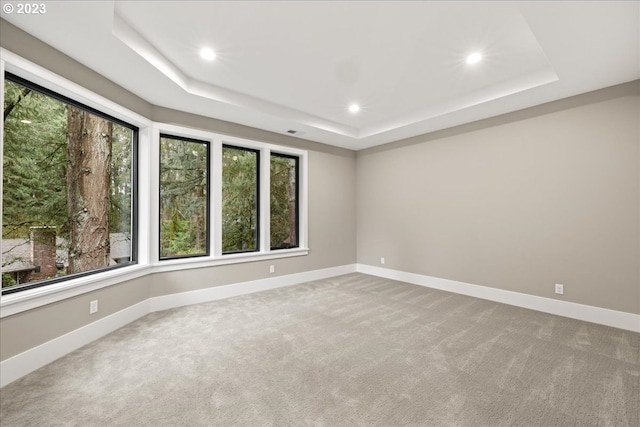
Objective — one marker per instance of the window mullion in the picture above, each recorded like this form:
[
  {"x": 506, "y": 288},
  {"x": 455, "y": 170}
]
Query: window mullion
[
  {"x": 265, "y": 200},
  {"x": 153, "y": 183},
  {"x": 216, "y": 198}
]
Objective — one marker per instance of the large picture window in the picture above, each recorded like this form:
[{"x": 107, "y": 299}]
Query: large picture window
[
  {"x": 284, "y": 201},
  {"x": 68, "y": 188},
  {"x": 240, "y": 195},
  {"x": 184, "y": 197}
]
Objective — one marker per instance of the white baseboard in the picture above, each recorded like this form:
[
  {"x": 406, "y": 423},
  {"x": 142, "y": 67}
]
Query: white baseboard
[
  {"x": 220, "y": 292},
  {"x": 588, "y": 313},
  {"x": 26, "y": 362}
]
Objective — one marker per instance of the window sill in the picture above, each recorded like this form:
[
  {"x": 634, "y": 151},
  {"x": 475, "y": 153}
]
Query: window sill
[
  {"x": 201, "y": 262},
  {"x": 33, "y": 298},
  {"x": 29, "y": 299}
]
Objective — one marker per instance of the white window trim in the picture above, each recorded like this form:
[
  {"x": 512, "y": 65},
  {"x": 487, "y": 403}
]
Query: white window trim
[
  {"x": 148, "y": 195},
  {"x": 216, "y": 257},
  {"x": 28, "y": 299}
]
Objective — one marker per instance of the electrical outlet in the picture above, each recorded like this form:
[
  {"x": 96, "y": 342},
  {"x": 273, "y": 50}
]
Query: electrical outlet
[
  {"x": 93, "y": 307},
  {"x": 272, "y": 269},
  {"x": 559, "y": 289},
  {"x": 382, "y": 260}
]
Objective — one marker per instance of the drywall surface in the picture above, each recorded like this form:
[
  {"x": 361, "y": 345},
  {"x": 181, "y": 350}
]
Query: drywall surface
[
  {"x": 519, "y": 202},
  {"x": 31, "y": 328},
  {"x": 332, "y": 234}
]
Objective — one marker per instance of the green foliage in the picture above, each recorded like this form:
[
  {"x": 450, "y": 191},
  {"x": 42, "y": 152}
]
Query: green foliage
[
  {"x": 34, "y": 190},
  {"x": 239, "y": 200},
  {"x": 35, "y": 167},
  {"x": 179, "y": 236},
  {"x": 121, "y": 195},
  {"x": 8, "y": 280},
  {"x": 183, "y": 197},
  {"x": 284, "y": 204},
  {"x": 182, "y": 210}
]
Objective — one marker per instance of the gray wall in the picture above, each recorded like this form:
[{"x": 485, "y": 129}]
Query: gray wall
[
  {"x": 518, "y": 202},
  {"x": 29, "y": 329},
  {"x": 331, "y": 213},
  {"x": 332, "y": 233}
]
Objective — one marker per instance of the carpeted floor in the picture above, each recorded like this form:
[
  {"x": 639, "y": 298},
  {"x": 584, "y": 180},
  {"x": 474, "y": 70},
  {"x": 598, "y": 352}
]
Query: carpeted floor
[{"x": 354, "y": 350}]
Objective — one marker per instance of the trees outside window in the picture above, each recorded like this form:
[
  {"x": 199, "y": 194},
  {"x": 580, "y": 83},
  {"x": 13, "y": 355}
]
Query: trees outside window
[
  {"x": 68, "y": 183},
  {"x": 69, "y": 192},
  {"x": 240, "y": 195},
  {"x": 284, "y": 201},
  {"x": 184, "y": 197}
]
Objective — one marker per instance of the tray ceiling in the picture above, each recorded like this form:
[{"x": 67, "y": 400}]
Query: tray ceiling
[{"x": 288, "y": 65}]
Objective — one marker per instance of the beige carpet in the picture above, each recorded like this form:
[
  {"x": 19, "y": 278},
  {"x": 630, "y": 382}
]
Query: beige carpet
[{"x": 355, "y": 350}]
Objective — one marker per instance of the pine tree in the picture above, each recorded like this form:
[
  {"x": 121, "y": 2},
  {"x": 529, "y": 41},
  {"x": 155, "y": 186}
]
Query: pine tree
[{"x": 34, "y": 169}]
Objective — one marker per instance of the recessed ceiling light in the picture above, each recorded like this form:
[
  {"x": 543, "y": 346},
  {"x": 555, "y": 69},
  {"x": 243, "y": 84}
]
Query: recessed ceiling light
[
  {"x": 474, "y": 58},
  {"x": 354, "y": 108},
  {"x": 26, "y": 122},
  {"x": 207, "y": 54}
]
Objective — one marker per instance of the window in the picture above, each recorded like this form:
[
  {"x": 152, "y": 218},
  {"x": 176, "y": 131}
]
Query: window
[
  {"x": 79, "y": 210},
  {"x": 284, "y": 201},
  {"x": 69, "y": 184},
  {"x": 257, "y": 204},
  {"x": 184, "y": 197},
  {"x": 240, "y": 195}
]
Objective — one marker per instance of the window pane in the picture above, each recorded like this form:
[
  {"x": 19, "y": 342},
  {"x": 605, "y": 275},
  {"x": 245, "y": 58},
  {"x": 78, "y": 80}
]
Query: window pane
[
  {"x": 240, "y": 223},
  {"x": 183, "y": 197},
  {"x": 67, "y": 189},
  {"x": 284, "y": 201}
]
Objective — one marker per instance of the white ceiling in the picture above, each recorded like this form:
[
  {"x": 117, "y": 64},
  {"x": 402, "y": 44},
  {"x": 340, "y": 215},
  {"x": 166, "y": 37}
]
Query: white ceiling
[{"x": 298, "y": 65}]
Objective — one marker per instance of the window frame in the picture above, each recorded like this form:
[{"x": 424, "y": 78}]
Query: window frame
[
  {"x": 14, "y": 78},
  {"x": 258, "y": 193},
  {"x": 297, "y": 172},
  {"x": 207, "y": 251},
  {"x": 217, "y": 257}
]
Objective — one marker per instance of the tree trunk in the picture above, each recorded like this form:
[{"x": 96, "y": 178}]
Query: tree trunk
[{"x": 88, "y": 178}]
